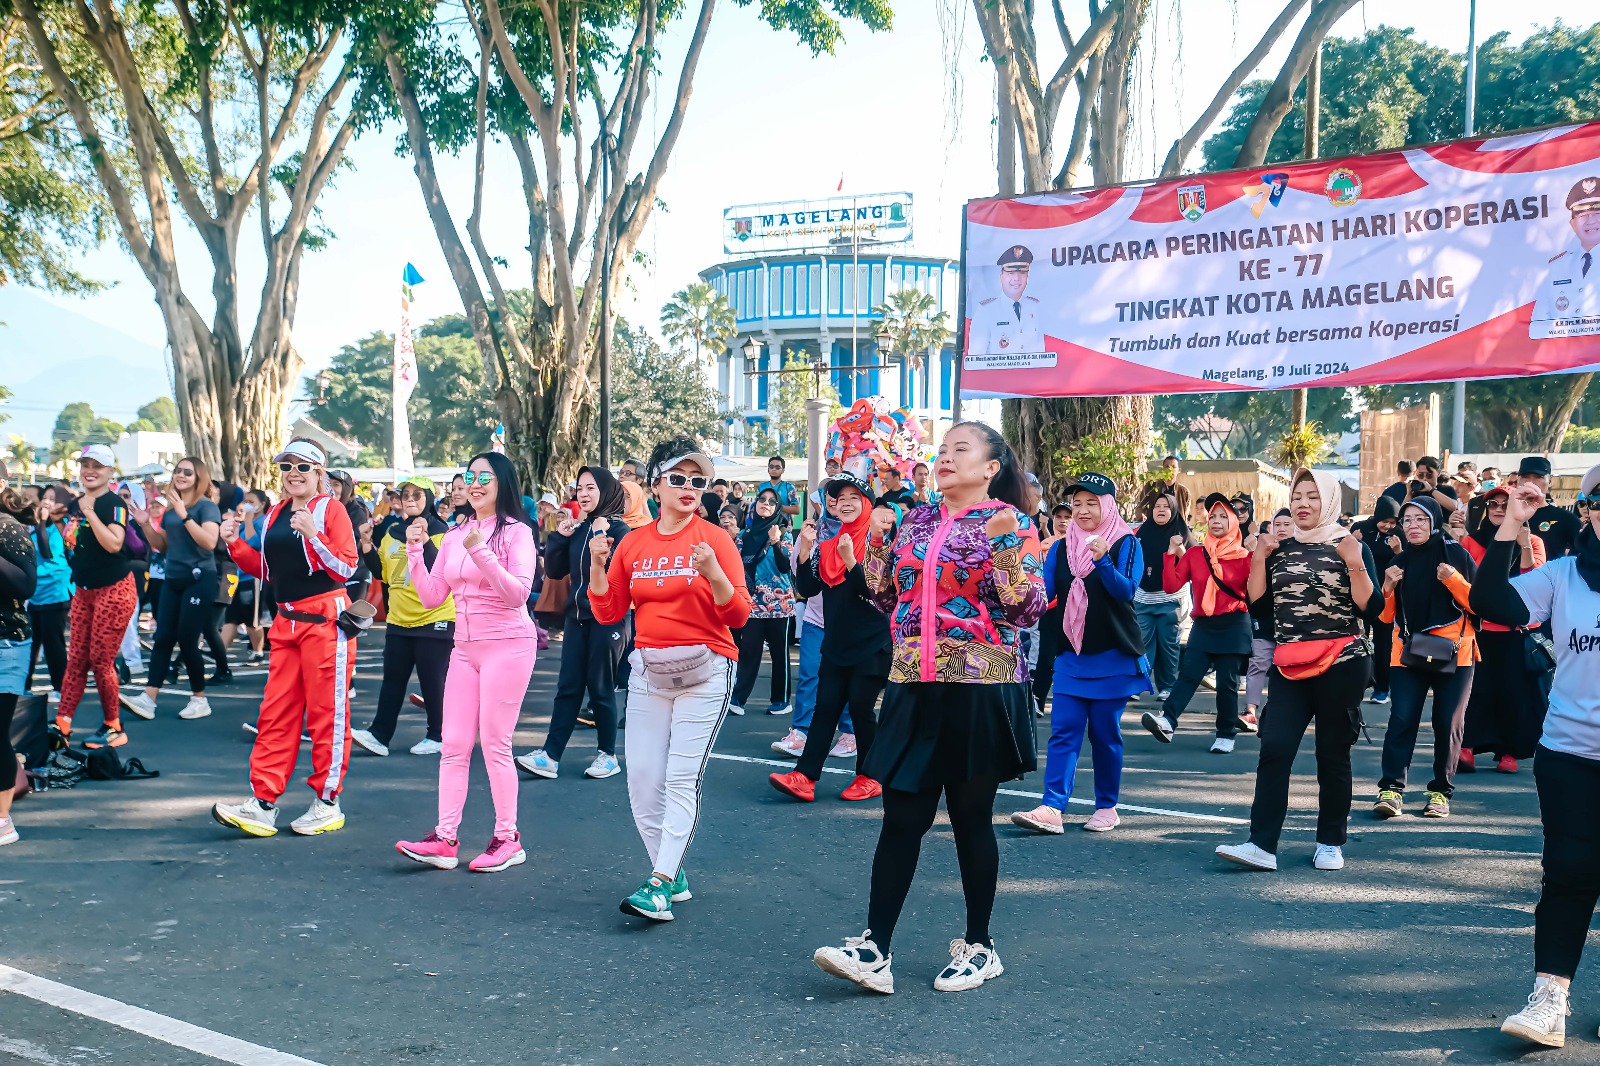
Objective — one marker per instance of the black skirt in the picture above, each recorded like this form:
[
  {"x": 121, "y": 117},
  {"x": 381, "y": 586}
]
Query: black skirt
[
  {"x": 1505, "y": 713},
  {"x": 935, "y": 733},
  {"x": 1221, "y": 634}
]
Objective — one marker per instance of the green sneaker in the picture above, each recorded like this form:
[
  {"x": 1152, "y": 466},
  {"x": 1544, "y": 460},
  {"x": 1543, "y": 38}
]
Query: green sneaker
[
  {"x": 653, "y": 899},
  {"x": 1438, "y": 806},
  {"x": 1388, "y": 805},
  {"x": 680, "y": 888}
]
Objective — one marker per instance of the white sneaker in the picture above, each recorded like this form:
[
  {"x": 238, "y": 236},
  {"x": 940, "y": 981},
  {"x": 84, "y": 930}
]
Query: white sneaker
[
  {"x": 1328, "y": 857},
  {"x": 859, "y": 961},
  {"x": 426, "y": 747},
  {"x": 197, "y": 707},
  {"x": 1222, "y": 746},
  {"x": 1247, "y": 854},
  {"x": 844, "y": 747},
  {"x": 537, "y": 763},
  {"x": 8, "y": 832},
  {"x": 320, "y": 817},
  {"x": 368, "y": 742},
  {"x": 970, "y": 966},
  {"x": 1158, "y": 726},
  {"x": 792, "y": 745},
  {"x": 251, "y": 816},
  {"x": 603, "y": 766},
  {"x": 1544, "y": 1019},
  {"x": 141, "y": 705}
]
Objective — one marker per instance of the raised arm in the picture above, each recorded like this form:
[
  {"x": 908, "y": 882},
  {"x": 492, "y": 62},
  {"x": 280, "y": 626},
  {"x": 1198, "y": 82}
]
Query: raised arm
[{"x": 432, "y": 590}]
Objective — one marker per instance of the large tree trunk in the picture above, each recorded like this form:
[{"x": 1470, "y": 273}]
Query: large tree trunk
[{"x": 1555, "y": 427}]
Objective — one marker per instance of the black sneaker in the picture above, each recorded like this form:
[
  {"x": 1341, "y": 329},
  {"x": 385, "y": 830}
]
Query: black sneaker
[
  {"x": 221, "y": 677},
  {"x": 106, "y": 737}
]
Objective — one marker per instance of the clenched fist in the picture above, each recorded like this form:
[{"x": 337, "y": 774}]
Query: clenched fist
[
  {"x": 1350, "y": 551},
  {"x": 704, "y": 559},
  {"x": 473, "y": 538},
  {"x": 1002, "y": 523},
  {"x": 417, "y": 532},
  {"x": 302, "y": 523}
]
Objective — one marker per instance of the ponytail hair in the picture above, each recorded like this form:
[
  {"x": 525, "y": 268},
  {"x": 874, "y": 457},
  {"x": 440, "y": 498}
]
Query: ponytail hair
[{"x": 1010, "y": 485}]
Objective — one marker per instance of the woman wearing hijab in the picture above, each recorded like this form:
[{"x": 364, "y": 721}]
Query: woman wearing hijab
[
  {"x": 1565, "y": 595},
  {"x": 764, "y": 545},
  {"x": 1381, "y": 535},
  {"x": 1425, "y": 593},
  {"x": 1092, "y": 572},
  {"x": 637, "y": 512},
  {"x": 591, "y": 651},
  {"x": 855, "y": 645},
  {"x": 1505, "y": 713},
  {"x": 1321, "y": 583},
  {"x": 1216, "y": 571},
  {"x": 1155, "y": 607}
]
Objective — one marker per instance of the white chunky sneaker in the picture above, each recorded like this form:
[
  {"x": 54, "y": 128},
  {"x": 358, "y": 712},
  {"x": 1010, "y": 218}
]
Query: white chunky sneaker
[
  {"x": 1158, "y": 726},
  {"x": 1328, "y": 857},
  {"x": 197, "y": 707},
  {"x": 320, "y": 817},
  {"x": 140, "y": 704},
  {"x": 1247, "y": 854},
  {"x": 792, "y": 745},
  {"x": 1544, "y": 1019},
  {"x": 970, "y": 966},
  {"x": 426, "y": 747},
  {"x": 369, "y": 743},
  {"x": 251, "y": 816},
  {"x": 1222, "y": 746},
  {"x": 859, "y": 960}
]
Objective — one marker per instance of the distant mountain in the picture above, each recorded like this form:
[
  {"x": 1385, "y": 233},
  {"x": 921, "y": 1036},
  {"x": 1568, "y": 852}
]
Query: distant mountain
[{"x": 50, "y": 357}]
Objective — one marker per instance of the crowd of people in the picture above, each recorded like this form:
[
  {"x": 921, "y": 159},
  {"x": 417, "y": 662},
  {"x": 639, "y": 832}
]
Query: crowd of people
[{"x": 936, "y": 618}]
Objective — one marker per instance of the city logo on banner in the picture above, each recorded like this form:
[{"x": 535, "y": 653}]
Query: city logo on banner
[
  {"x": 1267, "y": 189},
  {"x": 1192, "y": 202},
  {"x": 741, "y": 228},
  {"x": 1343, "y": 187}
]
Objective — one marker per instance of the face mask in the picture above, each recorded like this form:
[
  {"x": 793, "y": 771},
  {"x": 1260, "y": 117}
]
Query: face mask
[{"x": 1487, "y": 485}]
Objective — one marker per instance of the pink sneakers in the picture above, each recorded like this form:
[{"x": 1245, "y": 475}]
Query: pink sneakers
[
  {"x": 1103, "y": 820},
  {"x": 431, "y": 850},
  {"x": 502, "y": 853}
]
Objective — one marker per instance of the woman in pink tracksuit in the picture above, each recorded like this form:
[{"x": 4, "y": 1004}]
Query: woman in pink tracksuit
[{"x": 487, "y": 564}]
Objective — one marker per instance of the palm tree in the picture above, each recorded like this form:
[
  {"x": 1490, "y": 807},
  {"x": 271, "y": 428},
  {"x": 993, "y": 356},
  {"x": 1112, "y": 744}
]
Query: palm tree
[
  {"x": 20, "y": 456},
  {"x": 912, "y": 326},
  {"x": 696, "y": 316}
]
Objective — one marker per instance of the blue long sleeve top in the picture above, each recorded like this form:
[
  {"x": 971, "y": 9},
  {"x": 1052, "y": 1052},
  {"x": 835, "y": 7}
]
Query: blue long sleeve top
[{"x": 1111, "y": 674}]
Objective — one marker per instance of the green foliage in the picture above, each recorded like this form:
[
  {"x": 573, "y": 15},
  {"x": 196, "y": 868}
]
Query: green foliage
[
  {"x": 73, "y": 425},
  {"x": 103, "y": 431},
  {"x": 1581, "y": 439},
  {"x": 1503, "y": 414},
  {"x": 912, "y": 324},
  {"x": 1119, "y": 451},
  {"x": 161, "y": 414},
  {"x": 5, "y": 394},
  {"x": 655, "y": 395},
  {"x": 1301, "y": 446},
  {"x": 1257, "y": 420},
  {"x": 697, "y": 318},
  {"x": 787, "y": 395}
]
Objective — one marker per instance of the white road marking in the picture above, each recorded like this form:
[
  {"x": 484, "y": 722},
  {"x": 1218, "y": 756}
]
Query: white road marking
[
  {"x": 146, "y": 1023},
  {"x": 1221, "y": 818}
]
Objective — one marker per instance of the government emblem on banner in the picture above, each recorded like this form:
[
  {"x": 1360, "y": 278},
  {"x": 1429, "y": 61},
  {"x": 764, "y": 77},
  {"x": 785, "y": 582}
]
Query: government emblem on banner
[
  {"x": 1192, "y": 201},
  {"x": 1343, "y": 187},
  {"x": 1269, "y": 188},
  {"x": 741, "y": 228}
]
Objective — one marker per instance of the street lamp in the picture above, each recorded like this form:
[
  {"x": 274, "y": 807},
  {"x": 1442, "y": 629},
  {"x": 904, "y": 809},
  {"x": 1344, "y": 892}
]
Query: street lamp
[
  {"x": 324, "y": 379},
  {"x": 885, "y": 341}
]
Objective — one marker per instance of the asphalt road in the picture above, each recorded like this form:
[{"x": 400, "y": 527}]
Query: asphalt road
[{"x": 1134, "y": 946}]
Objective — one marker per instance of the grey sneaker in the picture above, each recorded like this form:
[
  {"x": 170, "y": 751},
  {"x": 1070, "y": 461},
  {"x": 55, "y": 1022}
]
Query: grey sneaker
[
  {"x": 604, "y": 765},
  {"x": 320, "y": 817},
  {"x": 140, "y": 704}
]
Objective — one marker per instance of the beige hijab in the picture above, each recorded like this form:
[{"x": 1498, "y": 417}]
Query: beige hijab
[{"x": 1327, "y": 530}]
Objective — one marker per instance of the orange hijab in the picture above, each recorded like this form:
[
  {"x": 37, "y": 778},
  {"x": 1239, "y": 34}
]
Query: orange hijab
[
  {"x": 1228, "y": 546},
  {"x": 637, "y": 514}
]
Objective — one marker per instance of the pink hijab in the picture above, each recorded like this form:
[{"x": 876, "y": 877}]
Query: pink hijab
[{"x": 1080, "y": 560}]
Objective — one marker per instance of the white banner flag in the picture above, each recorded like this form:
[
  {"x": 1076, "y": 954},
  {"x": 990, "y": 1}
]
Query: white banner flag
[{"x": 405, "y": 377}]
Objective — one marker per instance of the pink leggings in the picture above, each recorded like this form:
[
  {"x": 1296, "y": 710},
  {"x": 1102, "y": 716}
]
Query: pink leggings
[{"x": 482, "y": 700}]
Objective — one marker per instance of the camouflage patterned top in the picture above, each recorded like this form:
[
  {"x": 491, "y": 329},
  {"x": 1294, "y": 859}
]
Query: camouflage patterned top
[{"x": 1311, "y": 599}]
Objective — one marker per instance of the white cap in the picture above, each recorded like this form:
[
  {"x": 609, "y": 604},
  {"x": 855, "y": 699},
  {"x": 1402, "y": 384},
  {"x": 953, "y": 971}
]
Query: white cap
[
  {"x": 303, "y": 450},
  {"x": 99, "y": 453},
  {"x": 549, "y": 498},
  {"x": 700, "y": 459},
  {"x": 1591, "y": 479}
]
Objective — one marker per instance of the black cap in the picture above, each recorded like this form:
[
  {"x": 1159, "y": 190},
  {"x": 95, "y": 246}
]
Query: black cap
[
  {"x": 1534, "y": 466},
  {"x": 1584, "y": 195},
  {"x": 839, "y": 482},
  {"x": 1017, "y": 255},
  {"x": 1217, "y": 499},
  {"x": 1098, "y": 484}
]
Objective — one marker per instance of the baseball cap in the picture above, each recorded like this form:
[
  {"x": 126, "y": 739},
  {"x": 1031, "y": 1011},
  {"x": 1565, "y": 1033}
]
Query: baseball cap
[
  {"x": 839, "y": 482},
  {"x": 1098, "y": 484},
  {"x": 1503, "y": 490},
  {"x": 418, "y": 480},
  {"x": 1590, "y": 481},
  {"x": 1534, "y": 466},
  {"x": 99, "y": 453},
  {"x": 302, "y": 450},
  {"x": 1216, "y": 499},
  {"x": 549, "y": 498}
]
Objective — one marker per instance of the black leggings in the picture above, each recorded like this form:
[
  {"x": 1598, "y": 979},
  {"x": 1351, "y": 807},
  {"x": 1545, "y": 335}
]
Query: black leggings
[
  {"x": 589, "y": 656},
  {"x": 1569, "y": 794},
  {"x": 907, "y": 817},
  {"x": 773, "y": 634},
  {"x": 405, "y": 649},
  {"x": 1409, "y": 688},
  {"x": 1192, "y": 666},
  {"x": 1333, "y": 701},
  {"x": 858, "y": 687},
  {"x": 8, "y": 754},
  {"x": 49, "y": 636},
  {"x": 182, "y": 615}
]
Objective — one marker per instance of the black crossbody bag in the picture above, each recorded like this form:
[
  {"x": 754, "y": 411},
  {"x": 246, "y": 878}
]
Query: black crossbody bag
[{"x": 1426, "y": 651}]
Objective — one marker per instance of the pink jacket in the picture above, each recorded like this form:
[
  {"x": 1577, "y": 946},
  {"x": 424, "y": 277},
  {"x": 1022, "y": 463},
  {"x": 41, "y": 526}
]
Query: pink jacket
[{"x": 490, "y": 584}]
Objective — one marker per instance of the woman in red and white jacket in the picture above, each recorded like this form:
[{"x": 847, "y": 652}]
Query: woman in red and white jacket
[
  {"x": 1219, "y": 640},
  {"x": 308, "y": 552}
]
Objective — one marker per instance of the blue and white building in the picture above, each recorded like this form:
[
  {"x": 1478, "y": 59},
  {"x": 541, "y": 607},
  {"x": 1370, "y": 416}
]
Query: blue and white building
[{"x": 819, "y": 300}]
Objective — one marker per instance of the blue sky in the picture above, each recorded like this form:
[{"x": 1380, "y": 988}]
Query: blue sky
[{"x": 766, "y": 122}]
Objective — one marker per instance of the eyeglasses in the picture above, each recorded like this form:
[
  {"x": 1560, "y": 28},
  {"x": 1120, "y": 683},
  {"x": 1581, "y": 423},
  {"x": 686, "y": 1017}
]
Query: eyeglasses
[
  {"x": 477, "y": 477},
  {"x": 678, "y": 481},
  {"x": 185, "y": 471},
  {"x": 304, "y": 468}
]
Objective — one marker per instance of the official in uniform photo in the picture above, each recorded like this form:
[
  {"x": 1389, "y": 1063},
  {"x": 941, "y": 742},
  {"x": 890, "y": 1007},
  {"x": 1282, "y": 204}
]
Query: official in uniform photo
[
  {"x": 1569, "y": 300},
  {"x": 1009, "y": 323}
]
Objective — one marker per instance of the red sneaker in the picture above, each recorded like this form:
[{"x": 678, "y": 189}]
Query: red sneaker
[
  {"x": 796, "y": 784},
  {"x": 1466, "y": 764},
  {"x": 1506, "y": 765},
  {"x": 862, "y": 788}
]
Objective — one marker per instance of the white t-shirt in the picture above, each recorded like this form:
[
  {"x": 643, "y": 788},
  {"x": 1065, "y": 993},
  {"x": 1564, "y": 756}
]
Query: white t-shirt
[{"x": 1556, "y": 593}]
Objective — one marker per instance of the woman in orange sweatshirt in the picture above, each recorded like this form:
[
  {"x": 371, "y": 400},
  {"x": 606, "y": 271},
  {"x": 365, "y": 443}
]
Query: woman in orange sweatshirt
[
  {"x": 1425, "y": 592},
  {"x": 684, "y": 579}
]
